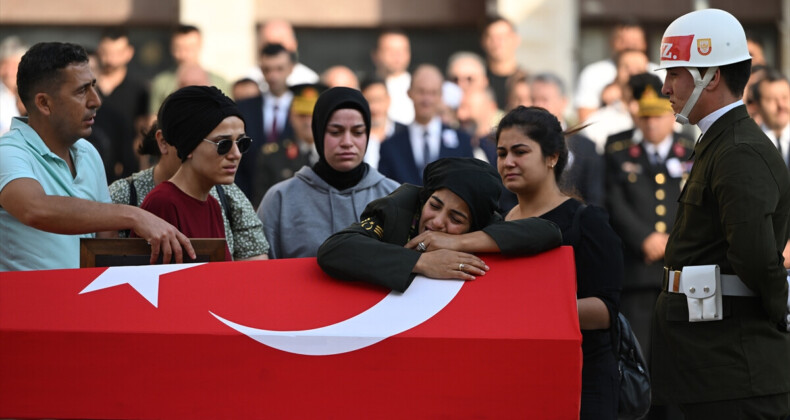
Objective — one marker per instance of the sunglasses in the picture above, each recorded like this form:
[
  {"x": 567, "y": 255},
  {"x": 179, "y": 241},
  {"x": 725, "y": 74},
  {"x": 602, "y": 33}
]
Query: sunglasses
[{"x": 224, "y": 146}]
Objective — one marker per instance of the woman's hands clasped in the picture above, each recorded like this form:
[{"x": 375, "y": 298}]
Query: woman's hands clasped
[{"x": 440, "y": 260}]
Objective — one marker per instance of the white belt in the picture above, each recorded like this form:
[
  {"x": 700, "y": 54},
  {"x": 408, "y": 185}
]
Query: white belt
[{"x": 731, "y": 285}]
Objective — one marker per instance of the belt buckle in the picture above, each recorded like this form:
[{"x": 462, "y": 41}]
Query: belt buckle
[{"x": 672, "y": 281}]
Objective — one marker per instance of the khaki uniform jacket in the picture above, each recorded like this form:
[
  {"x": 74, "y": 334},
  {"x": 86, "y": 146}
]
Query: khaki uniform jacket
[{"x": 734, "y": 212}]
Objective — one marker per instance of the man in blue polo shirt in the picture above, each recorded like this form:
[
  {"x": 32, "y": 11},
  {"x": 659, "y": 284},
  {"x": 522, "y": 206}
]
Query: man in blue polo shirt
[{"x": 53, "y": 189}]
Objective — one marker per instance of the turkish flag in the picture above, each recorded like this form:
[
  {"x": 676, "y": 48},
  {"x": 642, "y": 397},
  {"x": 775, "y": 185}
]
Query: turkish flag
[{"x": 123, "y": 343}]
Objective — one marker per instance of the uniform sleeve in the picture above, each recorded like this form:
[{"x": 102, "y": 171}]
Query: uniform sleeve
[
  {"x": 623, "y": 217},
  {"x": 599, "y": 261},
  {"x": 524, "y": 236},
  {"x": 748, "y": 195},
  {"x": 246, "y": 227},
  {"x": 372, "y": 250}
]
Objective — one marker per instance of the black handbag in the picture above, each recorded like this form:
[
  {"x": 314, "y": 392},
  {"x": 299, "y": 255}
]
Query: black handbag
[
  {"x": 634, "y": 378},
  {"x": 635, "y": 395}
]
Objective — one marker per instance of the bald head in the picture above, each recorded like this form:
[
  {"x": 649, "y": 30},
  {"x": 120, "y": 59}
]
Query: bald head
[
  {"x": 468, "y": 71},
  {"x": 279, "y": 32},
  {"x": 426, "y": 92},
  {"x": 340, "y": 76}
]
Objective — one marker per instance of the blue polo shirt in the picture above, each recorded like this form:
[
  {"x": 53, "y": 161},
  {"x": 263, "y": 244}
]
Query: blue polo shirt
[{"x": 24, "y": 155}]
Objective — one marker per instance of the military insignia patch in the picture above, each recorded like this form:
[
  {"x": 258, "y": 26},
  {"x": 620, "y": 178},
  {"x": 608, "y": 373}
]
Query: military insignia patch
[{"x": 704, "y": 46}]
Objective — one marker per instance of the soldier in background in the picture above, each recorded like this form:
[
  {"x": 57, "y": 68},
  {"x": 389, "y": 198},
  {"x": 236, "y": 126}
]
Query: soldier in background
[
  {"x": 644, "y": 173},
  {"x": 277, "y": 161}
]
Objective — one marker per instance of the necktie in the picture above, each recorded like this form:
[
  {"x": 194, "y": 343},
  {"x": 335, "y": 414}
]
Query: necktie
[
  {"x": 426, "y": 150},
  {"x": 657, "y": 160},
  {"x": 273, "y": 131}
]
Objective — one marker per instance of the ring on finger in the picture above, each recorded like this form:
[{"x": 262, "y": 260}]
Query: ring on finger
[
  {"x": 421, "y": 247},
  {"x": 461, "y": 267}
]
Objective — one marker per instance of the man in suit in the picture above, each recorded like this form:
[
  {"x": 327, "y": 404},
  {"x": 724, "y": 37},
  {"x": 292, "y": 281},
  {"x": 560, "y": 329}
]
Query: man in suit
[
  {"x": 584, "y": 173},
  {"x": 278, "y": 161},
  {"x": 730, "y": 360},
  {"x": 644, "y": 174},
  {"x": 410, "y": 149},
  {"x": 266, "y": 116}
]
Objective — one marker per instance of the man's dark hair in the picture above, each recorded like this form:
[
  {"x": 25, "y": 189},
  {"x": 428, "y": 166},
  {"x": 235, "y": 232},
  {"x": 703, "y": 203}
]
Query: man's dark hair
[
  {"x": 391, "y": 31},
  {"x": 372, "y": 81},
  {"x": 39, "y": 69},
  {"x": 551, "y": 79},
  {"x": 736, "y": 75},
  {"x": 771, "y": 76},
  {"x": 185, "y": 29},
  {"x": 497, "y": 18},
  {"x": 270, "y": 50},
  {"x": 115, "y": 33}
]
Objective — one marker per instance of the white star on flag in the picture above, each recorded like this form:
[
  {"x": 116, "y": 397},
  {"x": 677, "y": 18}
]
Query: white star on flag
[{"x": 143, "y": 278}]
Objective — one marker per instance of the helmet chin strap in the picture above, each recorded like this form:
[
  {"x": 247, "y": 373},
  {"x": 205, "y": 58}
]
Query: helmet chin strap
[{"x": 699, "y": 84}]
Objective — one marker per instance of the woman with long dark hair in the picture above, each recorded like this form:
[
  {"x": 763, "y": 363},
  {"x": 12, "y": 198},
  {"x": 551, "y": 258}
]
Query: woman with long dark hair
[{"x": 531, "y": 155}]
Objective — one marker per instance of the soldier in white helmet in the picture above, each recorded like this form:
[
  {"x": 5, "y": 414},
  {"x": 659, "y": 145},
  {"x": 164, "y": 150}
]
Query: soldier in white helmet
[{"x": 721, "y": 348}]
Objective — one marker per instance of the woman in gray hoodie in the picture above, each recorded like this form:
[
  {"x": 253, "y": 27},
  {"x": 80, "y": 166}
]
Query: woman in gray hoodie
[{"x": 298, "y": 214}]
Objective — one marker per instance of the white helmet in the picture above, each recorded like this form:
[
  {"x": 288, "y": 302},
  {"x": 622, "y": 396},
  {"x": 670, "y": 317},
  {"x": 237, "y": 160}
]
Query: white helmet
[{"x": 704, "y": 38}]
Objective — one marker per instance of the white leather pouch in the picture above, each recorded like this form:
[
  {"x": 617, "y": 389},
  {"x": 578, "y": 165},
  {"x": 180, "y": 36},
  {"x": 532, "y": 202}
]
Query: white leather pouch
[{"x": 702, "y": 286}]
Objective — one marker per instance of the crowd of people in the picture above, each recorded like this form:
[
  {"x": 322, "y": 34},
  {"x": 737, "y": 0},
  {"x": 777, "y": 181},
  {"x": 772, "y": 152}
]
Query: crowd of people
[{"x": 414, "y": 169}]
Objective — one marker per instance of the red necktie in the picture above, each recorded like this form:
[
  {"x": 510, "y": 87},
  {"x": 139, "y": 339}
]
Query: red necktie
[{"x": 273, "y": 132}]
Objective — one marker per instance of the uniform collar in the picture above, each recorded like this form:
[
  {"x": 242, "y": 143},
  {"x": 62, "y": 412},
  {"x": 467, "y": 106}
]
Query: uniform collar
[{"x": 733, "y": 113}]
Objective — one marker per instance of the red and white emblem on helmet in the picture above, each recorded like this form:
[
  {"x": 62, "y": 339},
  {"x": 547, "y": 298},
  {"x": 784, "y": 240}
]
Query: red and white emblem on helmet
[
  {"x": 704, "y": 46},
  {"x": 676, "y": 48}
]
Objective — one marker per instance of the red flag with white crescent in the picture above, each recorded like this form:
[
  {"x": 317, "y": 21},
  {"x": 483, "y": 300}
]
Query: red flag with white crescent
[{"x": 281, "y": 339}]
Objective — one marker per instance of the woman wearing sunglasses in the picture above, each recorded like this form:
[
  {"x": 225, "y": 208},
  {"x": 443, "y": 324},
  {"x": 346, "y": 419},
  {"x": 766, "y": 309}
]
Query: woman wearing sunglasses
[
  {"x": 300, "y": 212},
  {"x": 208, "y": 133}
]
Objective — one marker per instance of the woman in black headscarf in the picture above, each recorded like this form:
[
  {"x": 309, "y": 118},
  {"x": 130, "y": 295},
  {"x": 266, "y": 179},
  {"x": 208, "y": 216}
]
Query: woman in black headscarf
[
  {"x": 208, "y": 133},
  {"x": 433, "y": 230},
  {"x": 299, "y": 213}
]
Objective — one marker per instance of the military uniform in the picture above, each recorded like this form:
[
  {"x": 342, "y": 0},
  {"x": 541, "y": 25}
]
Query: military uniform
[
  {"x": 372, "y": 250},
  {"x": 642, "y": 199},
  {"x": 275, "y": 162},
  {"x": 734, "y": 211}
]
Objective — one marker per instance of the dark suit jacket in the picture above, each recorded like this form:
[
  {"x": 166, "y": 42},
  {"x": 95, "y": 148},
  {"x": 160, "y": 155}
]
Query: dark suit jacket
[
  {"x": 734, "y": 211},
  {"x": 585, "y": 173},
  {"x": 641, "y": 202},
  {"x": 252, "y": 111},
  {"x": 397, "y": 158}
]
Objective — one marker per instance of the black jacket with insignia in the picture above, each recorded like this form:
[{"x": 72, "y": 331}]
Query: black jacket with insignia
[
  {"x": 372, "y": 250},
  {"x": 642, "y": 199}
]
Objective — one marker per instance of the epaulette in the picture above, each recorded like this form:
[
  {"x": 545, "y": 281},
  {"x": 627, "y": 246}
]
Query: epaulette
[
  {"x": 686, "y": 141},
  {"x": 619, "y": 145}
]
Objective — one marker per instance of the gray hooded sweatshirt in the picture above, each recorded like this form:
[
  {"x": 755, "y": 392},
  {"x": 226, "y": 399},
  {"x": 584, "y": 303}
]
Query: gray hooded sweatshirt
[{"x": 298, "y": 214}]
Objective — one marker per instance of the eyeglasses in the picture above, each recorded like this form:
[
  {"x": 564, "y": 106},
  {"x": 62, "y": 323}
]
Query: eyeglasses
[{"x": 224, "y": 145}]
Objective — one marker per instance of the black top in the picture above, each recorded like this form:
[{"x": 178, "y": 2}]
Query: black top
[
  {"x": 599, "y": 273},
  {"x": 116, "y": 119},
  {"x": 372, "y": 250}
]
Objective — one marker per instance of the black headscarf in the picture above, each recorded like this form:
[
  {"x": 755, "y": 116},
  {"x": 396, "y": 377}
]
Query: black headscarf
[
  {"x": 329, "y": 102},
  {"x": 189, "y": 114},
  {"x": 475, "y": 181}
]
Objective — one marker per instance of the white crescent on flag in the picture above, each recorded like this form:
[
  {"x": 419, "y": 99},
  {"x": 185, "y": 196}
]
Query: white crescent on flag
[{"x": 394, "y": 314}]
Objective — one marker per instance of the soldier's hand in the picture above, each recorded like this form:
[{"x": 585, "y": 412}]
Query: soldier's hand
[{"x": 447, "y": 264}]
